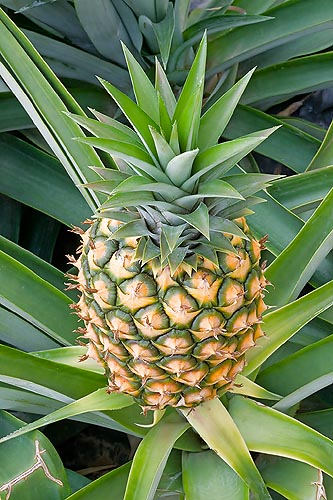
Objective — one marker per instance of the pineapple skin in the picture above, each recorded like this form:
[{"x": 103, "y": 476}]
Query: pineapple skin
[{"x": 168, "y": 340}]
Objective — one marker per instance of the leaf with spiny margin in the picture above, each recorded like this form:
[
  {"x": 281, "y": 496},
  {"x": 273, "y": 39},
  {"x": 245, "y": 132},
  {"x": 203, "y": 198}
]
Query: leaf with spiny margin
[
  {"x": 172, "y": 234},
  {"x": 281, "y": 324},
  {"x": 123, "y": 200},
  {"x": 165, "y": 120},
  {"x": 139, "y": 183},
  {"x": 176, "y": 257},
  {"x": 125, "y": 151},
  {"x": 292, "y": 269},
  {"x": 164, "y": 249},
  {"x": 107, "y": 186},
  {"x": 225, "y": 226},
  {"x": 151, "y": 251},
  {"x": 211, "y": 419},
  {"x": 103, "y": 186},
  {"x": 217, "y": 24},
  {"x": 139, "y": 251},
  {"x": 135, "y": 229},
  {"x": 107, "y": 120},
  {"x": 192, "y": 261},
  {"x": 164, "y": 152},
  {"x": 228, "y": 209},
  {"x": 144, "y": 91},
  {"x": 163, "y": 88},
  {"x": 96, "y": 401},
  {"x": 174, "y": 139},
  {"x": 188, "y": 108},
  {"x": 247, "y": 387},
  {"x": 199, "y": 219},
  {"x": 164, "y": 31},
  {"x": 179, "y": 168},
  {"x": 219, "y": 159},
  {"x": 295, "y": 440},
  {"x": 218, "y": 188},
  {"x": 216, "y": 118},
  {"x": 121, "y": 216},
  {"x": 108, "y": 131},
  {"x": 214, "y": 189},
  {"x": 207, "y": 253},
  {"x": 219, "y": 242},
  {"x": 248, "y": 184},
  {"x": 135, "y": 156},
  {"x": 138, "y": 118},
  {"x": 139, "y": 198},
  {"x": 105, "y": 173}
]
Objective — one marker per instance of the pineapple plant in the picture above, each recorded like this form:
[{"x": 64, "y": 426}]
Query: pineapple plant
[
  {"x": 43, "y": 381},
  {"x": 171, "y": 285}
]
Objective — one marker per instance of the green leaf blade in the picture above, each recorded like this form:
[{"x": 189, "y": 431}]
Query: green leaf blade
[
  {"x": 228, "y": 445},
  {"x": 216, "y": 118},
  {"x": 296, "y": 440},
  {"x": 153, "y": 458}
]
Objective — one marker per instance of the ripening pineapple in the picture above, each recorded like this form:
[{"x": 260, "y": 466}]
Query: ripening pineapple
[{"x": 169, "y": 275}]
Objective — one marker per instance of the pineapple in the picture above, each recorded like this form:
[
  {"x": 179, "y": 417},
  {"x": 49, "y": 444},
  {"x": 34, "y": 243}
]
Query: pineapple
[{"x": 171, "y": 286}]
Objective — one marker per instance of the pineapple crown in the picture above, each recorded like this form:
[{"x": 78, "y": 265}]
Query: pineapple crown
[{"x": 172, "y": 185}]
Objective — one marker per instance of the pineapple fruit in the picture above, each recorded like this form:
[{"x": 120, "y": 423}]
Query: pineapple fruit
[{"x": 171, "y": 286}]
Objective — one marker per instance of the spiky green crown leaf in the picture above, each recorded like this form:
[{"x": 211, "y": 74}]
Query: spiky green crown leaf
[{"x": 172, "y": 173}]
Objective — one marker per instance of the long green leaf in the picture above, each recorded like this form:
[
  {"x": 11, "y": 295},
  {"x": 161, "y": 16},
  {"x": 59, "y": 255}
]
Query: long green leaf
[
  {"x": 229, "y": 445},
  {"x": 17, "y": 332},
  {"x": 281, "y": 82},
  {"x": 218, "y": 159},
  {"x": 283, "y": 323},
  {"x": 59, "y": 19},
  {"x": 288, "y": 145},
  {"x": 45, "y": 107},
  {"x": 291, "y": 20},
  {"x": 104, "y": 26},
  {"x": 114, "y": 481},
  {"x": 305, "y": 44},
  {"x": 108, "y": 128},
  {"x": 14, "y": 117},
  {"x": 296, "y": 264},
  {"x": 307, "y": 390},
  {"x": 73, "y": 63},
  {"x": 323, "y": 157},
  {"x": 216, "y": 118},
  {"x": 145, "y": 93},
  {"x": 282, "y": 226},
  {"x": 188, "y": 107},
  {"x": 41, "y": 178},
  {"x": 216, "y": 25},
  {"x": 254, "y": 6},
  {"x": 70, "y": 356},
  {"x": 64, "y": 383},
  {"x": 295, "y": 441},
  {"x": 97, "y": 401},
  {"x": 293, "y": 372},
  {"x": 152, "y": 458},
  {"x": 42, "y": 268},
  {"x": 297, "y": 191},
  {"x": 292, "y": 479},
  {"x": 206, "y": 475},
  {"x": 247, "y": 387},
  {"x": 26, "y": 294},
  {"x": 16, "y": 399},
  {"x": 320, "y": 420},
  {"x": 21, "y": 457},
  {"x": 139, "y": 119}
]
